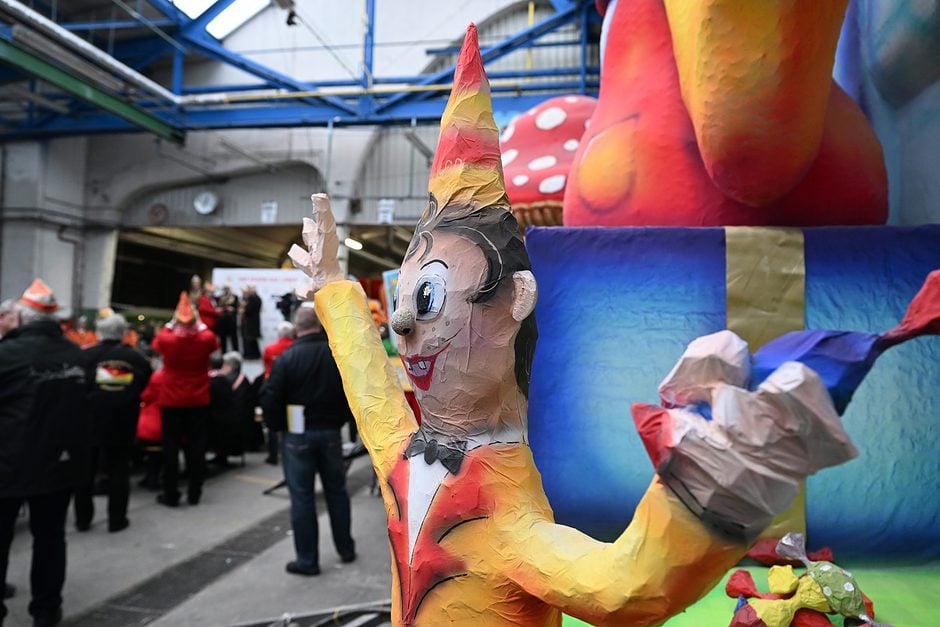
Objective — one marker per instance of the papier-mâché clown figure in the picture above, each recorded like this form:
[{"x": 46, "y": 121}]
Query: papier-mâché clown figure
[{"x": 472, "y": 536}]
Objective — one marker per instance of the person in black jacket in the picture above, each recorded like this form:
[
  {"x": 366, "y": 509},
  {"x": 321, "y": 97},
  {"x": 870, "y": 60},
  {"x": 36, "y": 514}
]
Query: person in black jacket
[
  {"x": 44, "y": 443},
  {"x": 304, "y": 397},
  {"x": 120, "y": 373},
  {"x": 251, "y": 322}
]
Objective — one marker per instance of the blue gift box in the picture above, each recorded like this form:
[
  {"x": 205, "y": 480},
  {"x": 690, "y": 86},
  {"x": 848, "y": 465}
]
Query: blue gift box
[{"x": 617, "y": 307}]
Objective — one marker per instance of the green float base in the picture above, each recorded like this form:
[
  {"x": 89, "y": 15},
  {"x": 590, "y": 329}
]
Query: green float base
[{"x": 904, "y": 596}]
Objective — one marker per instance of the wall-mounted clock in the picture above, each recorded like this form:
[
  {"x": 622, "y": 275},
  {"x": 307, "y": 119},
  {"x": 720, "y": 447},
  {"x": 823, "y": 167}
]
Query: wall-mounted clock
[{"x": 205, "y": 203}]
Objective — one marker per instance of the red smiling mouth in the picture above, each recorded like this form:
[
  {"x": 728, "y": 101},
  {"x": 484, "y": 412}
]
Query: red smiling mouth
[{"x": 421, "y": 367}]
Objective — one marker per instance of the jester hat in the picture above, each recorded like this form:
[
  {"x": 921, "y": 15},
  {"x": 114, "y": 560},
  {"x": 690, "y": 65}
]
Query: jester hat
[
  {"x": 39, "y": 297},
  {"x": 184, "y": 310},
  {"x": 467, "y": 171}
]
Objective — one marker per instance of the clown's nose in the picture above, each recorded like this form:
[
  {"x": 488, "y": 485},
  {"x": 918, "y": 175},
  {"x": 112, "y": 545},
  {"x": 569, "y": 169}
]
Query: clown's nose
[{"x": 403, "y": 321}]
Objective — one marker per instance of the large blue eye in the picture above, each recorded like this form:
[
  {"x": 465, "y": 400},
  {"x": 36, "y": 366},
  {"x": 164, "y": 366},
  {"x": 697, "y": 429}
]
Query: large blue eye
[{"x": 429, "y": 297}]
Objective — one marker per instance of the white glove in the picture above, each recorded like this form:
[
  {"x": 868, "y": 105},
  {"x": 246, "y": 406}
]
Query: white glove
[
  {"x": 744, "y": 466},
  {"x": 319, "y": 261}
]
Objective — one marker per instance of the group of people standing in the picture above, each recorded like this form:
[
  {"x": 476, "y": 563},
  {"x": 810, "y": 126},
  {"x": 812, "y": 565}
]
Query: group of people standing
[
  {"x": 225, "y": 315},
  {"x": 69, "y": 414}
]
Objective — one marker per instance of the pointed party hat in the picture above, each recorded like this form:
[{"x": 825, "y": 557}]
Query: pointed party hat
[
  {"x": 467, "y": 169},
  {"x": 38, "y": 296},
  {"x": 184, "y": 310}
]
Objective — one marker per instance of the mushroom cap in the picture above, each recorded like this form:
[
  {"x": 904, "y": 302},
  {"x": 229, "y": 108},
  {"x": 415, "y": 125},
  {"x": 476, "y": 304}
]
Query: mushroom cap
[{"x": 538, "y": 149}]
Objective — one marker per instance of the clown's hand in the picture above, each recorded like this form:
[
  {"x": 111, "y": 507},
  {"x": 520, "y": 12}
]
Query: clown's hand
[
  {"x": 319, "y": 261},
  {"x": 744, "y": 466}
]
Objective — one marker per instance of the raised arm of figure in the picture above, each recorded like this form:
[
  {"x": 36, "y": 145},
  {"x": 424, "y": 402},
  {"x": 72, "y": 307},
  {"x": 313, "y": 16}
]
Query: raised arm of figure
[{"x": 375, "y": 396}]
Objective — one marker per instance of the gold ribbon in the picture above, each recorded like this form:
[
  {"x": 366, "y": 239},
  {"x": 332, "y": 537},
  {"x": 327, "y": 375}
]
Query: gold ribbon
[{"x": 765, "y": 280}]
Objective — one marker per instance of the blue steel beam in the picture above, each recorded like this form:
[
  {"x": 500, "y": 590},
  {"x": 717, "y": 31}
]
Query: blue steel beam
[
  {"x": 564, "y": 5},
  {"x": 195, "y": 36},
  {"x": 403, "y": 80},
  {"x": 434, "y": 52},
  {"x": 367, "y": 101},
  {"x": 208, "y": 46},
  {"x": 585, "y": 20},
  {"x": 168, "y": 9},
  {"x": 494, "y": 52},
  {"x": 368, "y": 44},
  {"x": 268, "y": 116},
  {"x": 119, "y": 24}
]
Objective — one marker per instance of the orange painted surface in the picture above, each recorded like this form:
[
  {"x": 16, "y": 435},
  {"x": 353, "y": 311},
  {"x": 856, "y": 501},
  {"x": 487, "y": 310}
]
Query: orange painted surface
[{"x": 785, "y": 147}]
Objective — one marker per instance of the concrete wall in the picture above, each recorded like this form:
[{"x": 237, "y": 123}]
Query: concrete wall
[
  {"x": 139, "y": 164},
  {"x": 240, "y": 199},
  {"x": 42, "y": 218}
]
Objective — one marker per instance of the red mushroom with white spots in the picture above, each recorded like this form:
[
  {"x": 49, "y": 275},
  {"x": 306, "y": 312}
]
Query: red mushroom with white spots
[{"x": 538, "y": 149}]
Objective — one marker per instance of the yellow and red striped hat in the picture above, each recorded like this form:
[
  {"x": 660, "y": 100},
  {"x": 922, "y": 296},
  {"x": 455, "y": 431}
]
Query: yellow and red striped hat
[{"x": 467, "y": 168}]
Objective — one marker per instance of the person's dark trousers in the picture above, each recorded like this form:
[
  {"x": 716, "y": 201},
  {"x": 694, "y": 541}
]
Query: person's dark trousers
[
  {"x": 187, "y": 426},
  {"x": 228, "y": 339},
  {"x": 252, "y": 351},
  {"x": 274, "y": 445},
  {"x": 116, "y": 461},
  {"x": 47, "y": 514},
  {"x": 305, "y": 455}
]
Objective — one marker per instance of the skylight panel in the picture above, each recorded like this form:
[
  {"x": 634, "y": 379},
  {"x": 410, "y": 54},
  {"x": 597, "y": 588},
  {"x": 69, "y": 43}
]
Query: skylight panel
[
  {"x": 193, "y": 8},
  {"x": 237, "y": 14}
]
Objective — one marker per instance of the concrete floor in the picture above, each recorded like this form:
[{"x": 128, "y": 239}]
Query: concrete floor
[{"x": 218, "y": 563}]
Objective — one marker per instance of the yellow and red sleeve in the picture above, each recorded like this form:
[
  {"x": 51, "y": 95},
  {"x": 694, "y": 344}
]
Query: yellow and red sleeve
[
  {"x": 382, "y": 413},
  {"x": 664, "y": 561}
]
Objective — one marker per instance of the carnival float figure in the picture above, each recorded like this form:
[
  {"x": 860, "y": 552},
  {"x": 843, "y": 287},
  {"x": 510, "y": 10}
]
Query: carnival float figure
[{"x": 472, "y": 535}]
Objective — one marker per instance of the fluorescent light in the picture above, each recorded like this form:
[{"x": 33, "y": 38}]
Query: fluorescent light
[
  {"x": 353, "y": 244},
  {"x": 234, "y": 16}
]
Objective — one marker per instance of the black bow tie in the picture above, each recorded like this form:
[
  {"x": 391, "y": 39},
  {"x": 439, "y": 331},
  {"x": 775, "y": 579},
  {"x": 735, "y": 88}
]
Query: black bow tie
[{"x": 450, "y": 455}]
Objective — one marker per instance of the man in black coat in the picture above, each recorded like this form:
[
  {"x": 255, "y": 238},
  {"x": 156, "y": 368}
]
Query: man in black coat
[
  {"x": 251, "y": 322},
  {"x": 119, "y": 374},
  {"x": 304, "y": 397},
  {"x": 44, "y": 445}
]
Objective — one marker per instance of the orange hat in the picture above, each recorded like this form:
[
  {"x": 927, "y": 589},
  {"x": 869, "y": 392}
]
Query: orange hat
[
  {"x": 39, "y": 297},
  {"x": 467, "y": 166},
  {"x": 104, "y": 312},
  {"x": 184, "y": 310}
]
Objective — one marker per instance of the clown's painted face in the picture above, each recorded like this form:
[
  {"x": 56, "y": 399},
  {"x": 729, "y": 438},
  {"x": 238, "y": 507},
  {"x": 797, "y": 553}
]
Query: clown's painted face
[{"x": 457, "y": 350}]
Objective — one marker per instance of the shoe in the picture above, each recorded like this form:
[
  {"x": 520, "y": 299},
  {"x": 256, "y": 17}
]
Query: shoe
[
  {"x": 348, "y": 559},
  {"x": 163, "y": 499},
  {"x": 296, "y": 569},
  {"x": 82, "y": 526},
  {"x": 9, "y": 591},
  {"x": 193, "y": 498},
  {"x": 48, "y": 619},
  {"x": 119, "y": 525},
  {"x": 270, "y": 460}
]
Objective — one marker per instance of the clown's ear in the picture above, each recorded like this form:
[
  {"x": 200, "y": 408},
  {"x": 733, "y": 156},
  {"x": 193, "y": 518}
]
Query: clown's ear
[{"x": 524, "y": 293}]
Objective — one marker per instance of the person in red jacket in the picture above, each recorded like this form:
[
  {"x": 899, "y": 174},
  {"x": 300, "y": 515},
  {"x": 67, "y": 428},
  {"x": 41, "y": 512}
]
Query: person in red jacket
[
  {"x": 285, "y": 337},
  {"x": 185, "y": 344},
  {"x": 150, "y": 431},
  {"x": 202, "y": 298}
]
